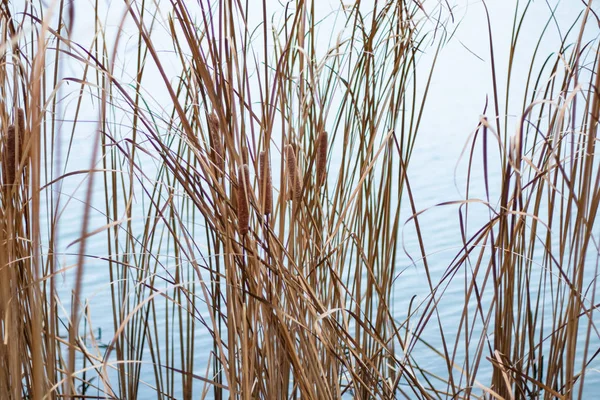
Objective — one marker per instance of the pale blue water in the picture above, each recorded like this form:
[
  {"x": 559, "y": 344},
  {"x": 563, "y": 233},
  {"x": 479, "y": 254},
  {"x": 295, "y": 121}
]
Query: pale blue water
[{"x": 456, "y": 100}]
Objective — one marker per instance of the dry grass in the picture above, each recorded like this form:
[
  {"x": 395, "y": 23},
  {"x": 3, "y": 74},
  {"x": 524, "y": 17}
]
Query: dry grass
[{"x": 285, "y": 299}]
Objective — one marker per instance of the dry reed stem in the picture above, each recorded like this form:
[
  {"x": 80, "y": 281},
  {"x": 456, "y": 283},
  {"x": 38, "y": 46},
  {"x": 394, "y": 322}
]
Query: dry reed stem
[
  {"x": 266, "y": 184},
  {"x": 217, "y": 146},
  {"x": 293, "y": 172},
  {"x": 321, "y": 158},
  {"x": 21, "y": 134},
  {"x": 243, "y": 199}
]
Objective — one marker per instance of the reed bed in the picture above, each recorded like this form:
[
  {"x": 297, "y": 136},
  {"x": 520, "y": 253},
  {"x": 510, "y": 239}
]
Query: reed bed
[{"x": 246, "y": 221}]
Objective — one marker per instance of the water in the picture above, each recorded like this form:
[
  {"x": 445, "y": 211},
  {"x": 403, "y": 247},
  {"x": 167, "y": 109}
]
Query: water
[{"x": 457, "y": 96}]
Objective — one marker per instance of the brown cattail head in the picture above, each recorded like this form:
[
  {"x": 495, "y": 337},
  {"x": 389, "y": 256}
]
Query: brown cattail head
[
  {"x": 9, "y": 156},
  {"x": 20, "y": 121},
  {"x": 218, "y": 156},
  {"x": 22, "y": 133},
  {"x": 213, "y": 122},
  {"x": 243, "y": 199},
  {"x": 293, "y": 171},
  {"x": 266, "y": 184},
  {"x": 215, "y": 137},
  {"x": 321, "y": 158},
  {"x": 245, "y": 154}
]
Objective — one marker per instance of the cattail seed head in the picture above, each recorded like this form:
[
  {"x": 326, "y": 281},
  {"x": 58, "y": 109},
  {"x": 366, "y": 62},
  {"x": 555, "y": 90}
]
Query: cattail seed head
[
  {"x": 9, "y": 156},
  {"x": 266, "y": 184},
  {"x": 21, "y": 132},
  {"x": 321, "y": 158},
  {"x": 218, "y": 155},
  {"x": 243, "y": 199},
  {"x": 245, "y": 154},
  {"x": 294, "y": 179},
  {"x": 21, "y": 120}
]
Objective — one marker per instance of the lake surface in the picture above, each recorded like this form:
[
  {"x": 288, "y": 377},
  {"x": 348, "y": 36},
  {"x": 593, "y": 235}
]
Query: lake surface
[{"x": 436, "y": 172}]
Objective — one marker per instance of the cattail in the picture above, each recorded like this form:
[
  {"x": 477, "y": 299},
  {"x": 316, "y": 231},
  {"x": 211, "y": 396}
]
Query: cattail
[
  {"x": 9, "y": 156},
  {"x": 21, "y": 131},
  {"x": 243, "y": 199},
  {"x": 321, "y": 158},
  {"x": 294, "y": 179},
  {"x": 266, "y": 184},
  {"x": 292, "y": 184},
  {"x": 245, "y": 155},
  {"x": 21, "y": 121},
  {"x": 215, "y": 137}
]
